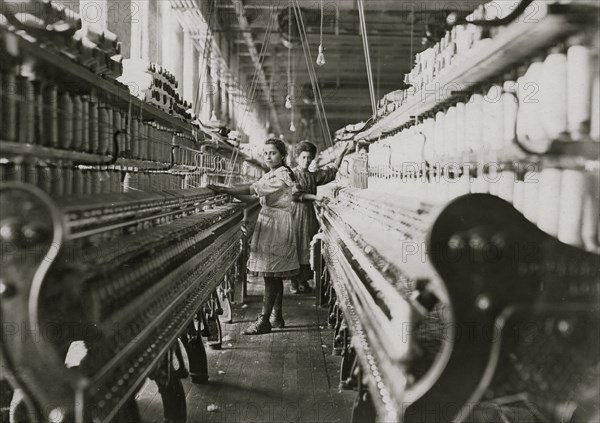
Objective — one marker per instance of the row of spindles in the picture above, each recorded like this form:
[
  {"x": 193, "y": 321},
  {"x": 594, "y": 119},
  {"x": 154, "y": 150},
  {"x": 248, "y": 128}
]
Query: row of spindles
[
  {"x": 37, "y": 112},
  {"x": 549, "y": 100},
  {"x": 152, "y": 181},
  {"x": 64, "y": 179},
  {"x": 552, "y": 99}
]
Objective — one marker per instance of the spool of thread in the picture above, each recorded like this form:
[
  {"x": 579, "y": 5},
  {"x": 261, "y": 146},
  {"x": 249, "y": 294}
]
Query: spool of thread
[
  {"x": 152, "y": 135},
  {"x": 164, "y": 144},
  {"x": 77, "y": 122},
  {"x": 520, "y": 125},
  {"x": 105, "y": 180},
  {"x": 553, "y": 95},
  {"x": 143, "y": 139},
  {"x": 428, "y": 131},
  {"x": 125, "y": 124},
  {"x": 57, "y": 188},
  {"x": 460, "y": 128},
  {"x": 135, "y": 141},
  {"x": 117, "y": 122},
  {"x": 530, "y": 130},
  {"x": 110, "y": 183},
  {"x": 94, "y": 176},
  {"x": 591, "y": 210},
  {"x": 68, "y": 180},
  {"x": 549, "y": 200},
  {"x": 118, "y": 177},
  {"x": 104, "y": 128},
  {"x": 148, "y": 142},
  {"x": 572, "y": 197},
  {"x": 78, "y": 182},
  {"x": 531, "y": 188},
  {"x": 493, "y": 118},
  {"x": 506, "y": 185},
  {"x": 167, "y": 147},
  {"x": 439, "y": 136},
  {"x": 85, "y": 124},
  {"x": 160, "y": 145},
  {"x": 510, "y": 110},
  {"x": 474, "y": 119},
  {"x": 30, "y": 174},
  {"x": 38, "y": 137},
  {"x": 50, "y": 115},
  {"x": 9, "y": 103},
  {"x": 110, "y": 131},
  {"x": 94, "y": 132},
  {"x": 144, "y": 179},
  {"x": 88, "y": 186},
  {"x": 26, "y": 110},
  {"x": 13, "y": 171},
  {"x": 579, "y": 89},
  {"x": 450, "y": 144},
  {"x": 65, "y": 120},
  {"x": 45, "y": 178}
]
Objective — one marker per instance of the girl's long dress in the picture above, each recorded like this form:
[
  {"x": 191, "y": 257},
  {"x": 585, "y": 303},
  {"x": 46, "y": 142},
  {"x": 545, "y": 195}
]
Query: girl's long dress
[
  {"x": 273, "y": 249},
  {"x": 305, "y": 219}
]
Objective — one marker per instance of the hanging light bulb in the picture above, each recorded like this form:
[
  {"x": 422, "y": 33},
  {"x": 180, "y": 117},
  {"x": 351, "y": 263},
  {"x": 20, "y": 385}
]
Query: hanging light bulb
[
  {"x": 292, "y": 127},
  {"x": 320, "y": 56},
  {"x": 288, "y": 102}
]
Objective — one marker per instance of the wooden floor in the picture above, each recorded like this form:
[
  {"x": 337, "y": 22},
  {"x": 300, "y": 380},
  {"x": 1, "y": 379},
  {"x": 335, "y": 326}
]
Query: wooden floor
[{"x": 289, "y": 375}]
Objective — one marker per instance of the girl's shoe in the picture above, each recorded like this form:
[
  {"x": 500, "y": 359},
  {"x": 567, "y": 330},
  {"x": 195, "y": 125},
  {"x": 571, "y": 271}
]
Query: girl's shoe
[
  {"x": 294, "y": 287},
  {"x": 277, "y": 320},
  {"x": 259, "y": 327}
]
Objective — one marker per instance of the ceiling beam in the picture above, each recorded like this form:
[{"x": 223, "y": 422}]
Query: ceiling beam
[{"x": 240, "y": 12}]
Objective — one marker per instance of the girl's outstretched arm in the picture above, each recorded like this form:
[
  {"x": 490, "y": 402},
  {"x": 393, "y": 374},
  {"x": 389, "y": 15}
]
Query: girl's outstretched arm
[
  {"x": 244, "y": 189},
  {"x": 248, "y": 199},
  {"x": 313, "y": 197},
  {"x": 340, "y": 157}
]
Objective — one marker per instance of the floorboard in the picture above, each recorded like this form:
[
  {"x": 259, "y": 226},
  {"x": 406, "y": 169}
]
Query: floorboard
[{"x": 286, "y": 376}]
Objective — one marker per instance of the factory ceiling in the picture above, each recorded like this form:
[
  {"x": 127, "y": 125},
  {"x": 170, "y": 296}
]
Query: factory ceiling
[{"x": 257, "y": 33}]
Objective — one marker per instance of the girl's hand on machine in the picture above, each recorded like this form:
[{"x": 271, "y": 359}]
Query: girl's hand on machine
[
  {"x": 215, "y": 188},
  {"x": 323, "y": 201}
]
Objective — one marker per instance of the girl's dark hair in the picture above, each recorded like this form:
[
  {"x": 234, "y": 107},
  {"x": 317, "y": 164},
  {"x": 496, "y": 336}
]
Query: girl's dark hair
[
  {"x": 306, "y": 146},
  {"x": 281, "y": 147}
]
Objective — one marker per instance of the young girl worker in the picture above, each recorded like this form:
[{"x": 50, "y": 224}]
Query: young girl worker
[
  {"x": 303, "y": 211},
  {"x": 273, "y": 249}
]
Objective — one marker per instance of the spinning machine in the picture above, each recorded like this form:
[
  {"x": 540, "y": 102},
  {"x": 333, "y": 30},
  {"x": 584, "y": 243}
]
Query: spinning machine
[
  {"x": 116, "y": 264},
  {"x": 459, "y": 256}
]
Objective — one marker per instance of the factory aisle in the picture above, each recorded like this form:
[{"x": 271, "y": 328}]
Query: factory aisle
[{"x": 289, "y": 375}]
